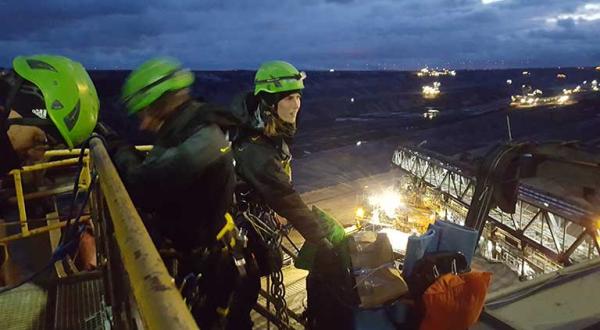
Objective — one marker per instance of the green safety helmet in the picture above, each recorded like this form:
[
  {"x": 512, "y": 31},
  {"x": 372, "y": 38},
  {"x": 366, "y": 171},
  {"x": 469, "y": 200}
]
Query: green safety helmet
[
  {"x": 68, "y": 93},
  {"x": 151, "y": 80},
  {"x": 277, "y": 77}
]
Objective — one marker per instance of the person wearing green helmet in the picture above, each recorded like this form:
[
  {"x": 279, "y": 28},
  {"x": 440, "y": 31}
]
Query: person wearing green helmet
[
  {"x": 186, "y": 181},
  {"x": 47, "y": 98},
  {"x": 262, "y": 155}
]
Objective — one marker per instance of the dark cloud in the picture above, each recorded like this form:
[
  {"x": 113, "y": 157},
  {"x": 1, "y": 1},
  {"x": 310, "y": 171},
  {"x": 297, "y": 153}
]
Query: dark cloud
[
  {"x": 567, "y": 24},
  {"x": 315, "y": 34}
]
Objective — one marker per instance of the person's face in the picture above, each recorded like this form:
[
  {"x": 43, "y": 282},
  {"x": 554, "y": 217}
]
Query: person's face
[
  {"x": 149, "y": 122},
  {"x": 288, "y": 107},
  {"x": 154, "y": 116}
]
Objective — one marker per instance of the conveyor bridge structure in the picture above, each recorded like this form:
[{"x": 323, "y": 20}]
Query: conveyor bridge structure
[{"x": 546, "y": 232}]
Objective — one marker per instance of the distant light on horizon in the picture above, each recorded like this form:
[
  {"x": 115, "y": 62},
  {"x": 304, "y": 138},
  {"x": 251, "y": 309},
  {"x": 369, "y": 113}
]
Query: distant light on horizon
[
  {"x": 426, "y": 72},
  {"x": 487, "y": 2}
]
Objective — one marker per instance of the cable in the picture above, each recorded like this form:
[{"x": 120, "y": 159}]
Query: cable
[
  {"x": 68, "y": 241},
  {"x": 61, "y": 251},
  {"x": 63, "y": 248},
  {"x": 84, "y": 145}
]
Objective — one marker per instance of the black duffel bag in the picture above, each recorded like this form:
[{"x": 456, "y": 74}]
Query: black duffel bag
[{"x": 432, "y": 266}]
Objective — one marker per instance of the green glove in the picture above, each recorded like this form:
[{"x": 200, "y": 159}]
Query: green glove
[{"x": 335, "y": 234}]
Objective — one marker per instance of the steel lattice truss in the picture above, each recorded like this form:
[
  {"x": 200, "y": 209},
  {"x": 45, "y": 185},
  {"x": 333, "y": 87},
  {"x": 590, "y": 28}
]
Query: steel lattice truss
[{"x": 546, "y": 231}]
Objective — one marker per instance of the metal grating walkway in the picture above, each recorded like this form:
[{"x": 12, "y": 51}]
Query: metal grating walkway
[
  {"x": 79, "y": 302},
  {"x": 23, "y": 308}
]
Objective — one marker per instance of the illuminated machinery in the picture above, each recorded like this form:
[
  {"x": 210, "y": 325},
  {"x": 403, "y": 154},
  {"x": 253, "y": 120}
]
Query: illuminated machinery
[
  {"x": 430, "y": 92},
  {"x": 397, "y": 212},
  {"x": 427, "y": 72},
  {"x": 530, "y": 99},
  {"x": 545, "y": 233},
  {"x": 584, "y": 87},
  {"x": 431, "y": 113},
  {"x": 535, "y": 99}
]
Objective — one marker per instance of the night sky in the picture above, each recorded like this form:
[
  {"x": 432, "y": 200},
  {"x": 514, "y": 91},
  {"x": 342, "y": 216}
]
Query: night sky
[{"x": 313, "y": 34}]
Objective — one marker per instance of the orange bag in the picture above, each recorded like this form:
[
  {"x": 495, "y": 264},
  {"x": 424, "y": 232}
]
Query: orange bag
[{"x": 455, "y": 301}]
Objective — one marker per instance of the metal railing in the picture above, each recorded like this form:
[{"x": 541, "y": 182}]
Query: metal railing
[
  {"x": 21, "y": 198},
  {"x": 135, "y": 275},
  {"x": 158, "y": 301}
]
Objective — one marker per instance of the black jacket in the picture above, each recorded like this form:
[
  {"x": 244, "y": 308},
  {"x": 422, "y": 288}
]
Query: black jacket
[
  {"x": 187, "y": 179},
  {"x": 8, "y": 156},
  {"x": 264, "y": 163}
]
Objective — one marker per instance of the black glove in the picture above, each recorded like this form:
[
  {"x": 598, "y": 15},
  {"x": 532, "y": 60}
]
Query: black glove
[
  {"x": 327, "y": 259},
  {"x": 106, "y": 131},
  {"x": 325, "y": 244},
  {"x": 114, "y": 142}
]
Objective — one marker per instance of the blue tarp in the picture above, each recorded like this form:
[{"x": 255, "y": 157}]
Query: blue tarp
[
  {"x": 417, "y": 247},
  {"x": 453, "y": 237},
  {"x": 440, "y": 236},
  {"x": 383, "y": 318}
]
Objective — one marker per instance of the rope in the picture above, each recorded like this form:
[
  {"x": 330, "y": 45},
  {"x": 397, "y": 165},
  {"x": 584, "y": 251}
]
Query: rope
[{"x": 270, "y": 231}]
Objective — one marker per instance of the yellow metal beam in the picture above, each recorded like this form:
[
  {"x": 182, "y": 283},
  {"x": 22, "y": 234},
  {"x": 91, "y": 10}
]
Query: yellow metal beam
[
  {"x": 160, "y": 303},
  {"x": 76, "y": 152},
  {"x": 63, "y": 153},
  {"x": 44, "y": 193},
  {"x": 144, "y": 147},
  {"x": 39, "y": 230},
  {"x": 47, "y": 165},
  {"x": 21, "y": 203}
]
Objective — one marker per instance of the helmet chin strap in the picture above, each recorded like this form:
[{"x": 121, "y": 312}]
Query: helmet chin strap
[
  {"x": 269, "y": 113},
  {"x": 265, "y": 106}
]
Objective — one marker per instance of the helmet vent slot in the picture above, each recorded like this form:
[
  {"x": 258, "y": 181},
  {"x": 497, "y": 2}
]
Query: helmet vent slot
[
  {"x": 56, "y": 105},
  {"x": 40, "y": 65},
  {"x": 72, "y": 117}
]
